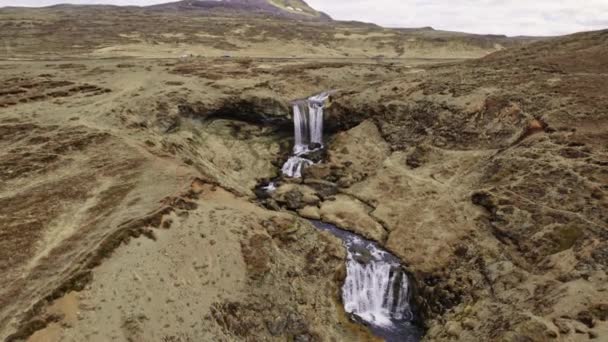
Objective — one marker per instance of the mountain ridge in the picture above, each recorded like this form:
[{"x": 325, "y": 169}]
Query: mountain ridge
[
  {"x": 294, "y": 9},
  {"x": 245, "y": 28}
]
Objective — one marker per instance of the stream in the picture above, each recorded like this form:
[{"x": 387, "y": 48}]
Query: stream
[{"x": 376, "y": 291}]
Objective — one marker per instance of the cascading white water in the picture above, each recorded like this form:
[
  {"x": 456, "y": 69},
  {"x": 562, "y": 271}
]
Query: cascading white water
[
  {"x": 301, "y": 129},
  {"x": 376, "y": 291},
  {"x": 294, "y": 166},
  {"x": 308, "y": 133},
  {"x": 315, "y": 110},
  {"x": 376, "y": 288}
]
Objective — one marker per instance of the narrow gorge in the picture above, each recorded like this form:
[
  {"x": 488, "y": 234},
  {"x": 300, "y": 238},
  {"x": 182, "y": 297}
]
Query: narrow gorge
[{"x": 376, "y": 291}]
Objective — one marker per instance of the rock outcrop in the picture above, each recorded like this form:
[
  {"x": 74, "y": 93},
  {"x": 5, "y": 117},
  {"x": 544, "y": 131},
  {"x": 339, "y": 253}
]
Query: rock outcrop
[
  {"x": 494, "y": 192},
  {"x": 489, "y": 180}
]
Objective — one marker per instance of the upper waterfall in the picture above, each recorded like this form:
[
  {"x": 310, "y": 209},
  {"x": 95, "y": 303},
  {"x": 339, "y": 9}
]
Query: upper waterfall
[{"x": 308, "y": 133}]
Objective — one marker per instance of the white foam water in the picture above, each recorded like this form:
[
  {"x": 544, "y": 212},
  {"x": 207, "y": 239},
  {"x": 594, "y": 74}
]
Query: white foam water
[
  {"x": 315, "y": 112},
  {"x": 271, "y": 187},
  {"x": 301, "y": 128},
  {"x": 376, "y": 288},
  {"x": 308, "y": 133},
  {"x": 377, "y": 292},
  {"x": 294, "y": 166}
]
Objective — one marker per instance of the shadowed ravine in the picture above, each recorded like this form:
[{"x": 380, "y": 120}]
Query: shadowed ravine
[{"x": 376, "y": 291}]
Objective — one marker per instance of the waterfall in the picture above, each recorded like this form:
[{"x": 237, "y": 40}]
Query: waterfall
[
  {"x": 376, "y": 288},
  {"x": 308, "y": 133},
  {"x": 301, "y": 128},
  {"x": 315, "y": 110},
  {"x": 377, "y": 292}
]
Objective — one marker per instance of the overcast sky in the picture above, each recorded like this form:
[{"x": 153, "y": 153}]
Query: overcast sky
[{"x": 511, "y": 17}]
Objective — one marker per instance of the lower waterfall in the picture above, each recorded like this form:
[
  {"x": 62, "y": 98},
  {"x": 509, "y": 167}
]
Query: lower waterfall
[
  {"x": 308, "y": 133},
  {"x": 376, "y": 290}
]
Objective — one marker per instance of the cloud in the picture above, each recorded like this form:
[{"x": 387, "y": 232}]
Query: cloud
[{"x": 511, "y": 17}]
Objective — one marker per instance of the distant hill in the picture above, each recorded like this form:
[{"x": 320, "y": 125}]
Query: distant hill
[
  {"x": 296, "y": 9},
  {"x": 229, "y": 28}
]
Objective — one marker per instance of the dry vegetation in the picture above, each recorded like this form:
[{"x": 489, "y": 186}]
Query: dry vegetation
[
  {"x": 487, "y": 177},
  {"x": 107, "y": 31}
]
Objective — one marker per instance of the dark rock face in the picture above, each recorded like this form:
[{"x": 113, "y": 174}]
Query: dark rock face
[
  {"x": 316, "y": 156},
  {"x": 362, "y": 255},
  {"x": 256, "y": 110}
]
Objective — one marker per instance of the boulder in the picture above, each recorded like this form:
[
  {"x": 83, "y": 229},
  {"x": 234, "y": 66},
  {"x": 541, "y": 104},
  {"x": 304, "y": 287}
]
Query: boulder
[{"x": 310, "y": 212}]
